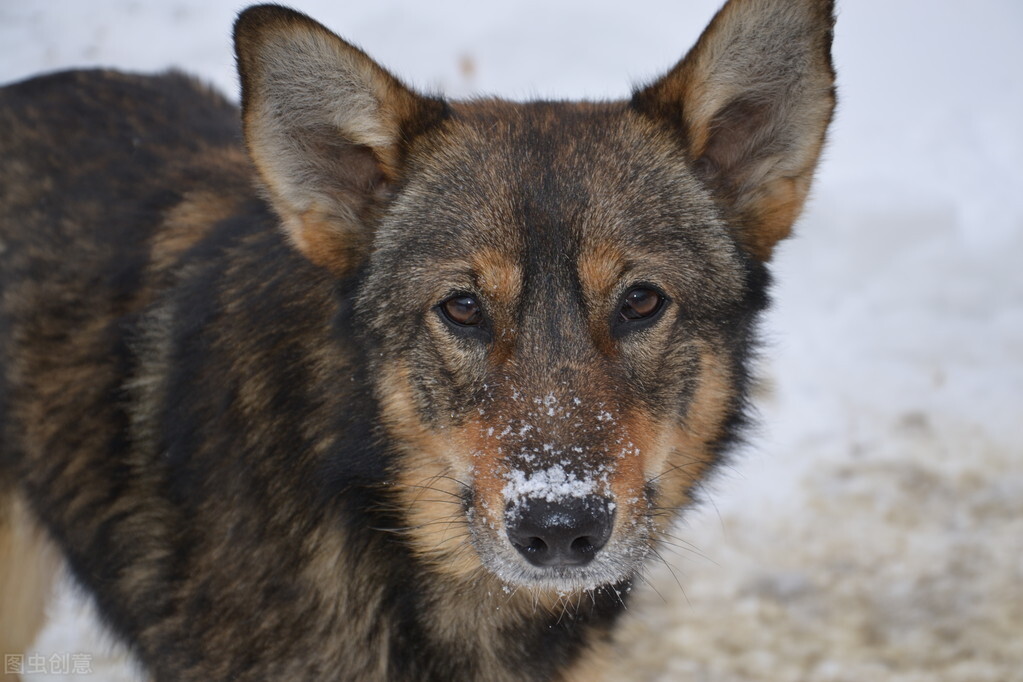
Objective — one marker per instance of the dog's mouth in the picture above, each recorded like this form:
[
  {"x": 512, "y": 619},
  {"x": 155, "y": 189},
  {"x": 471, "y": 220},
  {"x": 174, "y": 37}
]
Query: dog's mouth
[{"x": 565, "y": 547}]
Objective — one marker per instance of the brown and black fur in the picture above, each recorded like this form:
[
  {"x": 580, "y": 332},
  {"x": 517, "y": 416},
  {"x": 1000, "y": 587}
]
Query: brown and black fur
[{"x": 229, "y": 395}]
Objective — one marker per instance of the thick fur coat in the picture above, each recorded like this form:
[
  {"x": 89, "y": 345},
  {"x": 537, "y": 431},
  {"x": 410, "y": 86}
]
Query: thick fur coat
[{"x": 378, "y": 385}]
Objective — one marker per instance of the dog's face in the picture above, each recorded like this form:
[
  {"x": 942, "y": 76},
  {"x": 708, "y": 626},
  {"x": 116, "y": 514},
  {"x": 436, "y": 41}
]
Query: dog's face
[
  {"x": 558, "y": 297},
  {"x": 559, "y": 303}
]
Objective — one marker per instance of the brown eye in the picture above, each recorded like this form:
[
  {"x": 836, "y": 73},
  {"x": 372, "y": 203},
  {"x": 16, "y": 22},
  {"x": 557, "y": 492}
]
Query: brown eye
[
  {"x": 640, "y": 303},
  {"x": 463, "y": 310}
]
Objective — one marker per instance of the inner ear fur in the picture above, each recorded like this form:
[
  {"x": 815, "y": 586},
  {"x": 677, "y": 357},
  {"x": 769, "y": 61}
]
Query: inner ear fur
[
  {"x": 327, "y": 129},
  {"x": 752, "y": 101}
]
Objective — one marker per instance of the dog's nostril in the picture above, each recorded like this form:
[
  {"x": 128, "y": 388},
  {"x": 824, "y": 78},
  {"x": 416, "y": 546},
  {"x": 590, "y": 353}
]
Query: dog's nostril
[
  {"x": 566, "y": 532},
  {"x": 583, "y": 545},
  {"x": 536, "y": 546}
]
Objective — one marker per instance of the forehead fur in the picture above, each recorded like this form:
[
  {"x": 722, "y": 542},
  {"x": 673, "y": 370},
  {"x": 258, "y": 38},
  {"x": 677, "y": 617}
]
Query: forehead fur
[{"x": 545, "y": 190}]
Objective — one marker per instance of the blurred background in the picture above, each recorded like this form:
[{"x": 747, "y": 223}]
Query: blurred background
[{"x": 874, "y": 528}]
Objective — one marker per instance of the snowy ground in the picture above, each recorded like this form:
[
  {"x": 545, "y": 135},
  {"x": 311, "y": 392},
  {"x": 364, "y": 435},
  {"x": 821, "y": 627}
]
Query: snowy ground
[{"x": 875, "y": 529}]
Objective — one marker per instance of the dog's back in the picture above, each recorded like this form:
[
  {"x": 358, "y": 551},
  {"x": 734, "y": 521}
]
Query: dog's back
[{"x": 93, "y": 160}]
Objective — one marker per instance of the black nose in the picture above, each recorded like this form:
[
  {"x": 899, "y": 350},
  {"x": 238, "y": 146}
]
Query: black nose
[{"x": 566, "y": 532}]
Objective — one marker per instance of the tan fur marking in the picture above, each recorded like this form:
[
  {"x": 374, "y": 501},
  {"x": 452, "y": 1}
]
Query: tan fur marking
[
  {"x": 28, "y": 567},
  {"x": 488, "y": 476},
  {"x": 499, "y": 276},
  {"x": 600, "y": 268},
  {"x": 188, "y": 222},
  {"x": 320, "y": 240},
  {"x": 685, "y": 458},
  {"x": 776, "y": 210},
  {"x": 630, "y": 475},
  {"x": 427, "y": 482}
]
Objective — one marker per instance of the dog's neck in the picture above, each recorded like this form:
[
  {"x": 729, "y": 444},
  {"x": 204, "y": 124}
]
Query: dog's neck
[{"x": 513, "y": 633}]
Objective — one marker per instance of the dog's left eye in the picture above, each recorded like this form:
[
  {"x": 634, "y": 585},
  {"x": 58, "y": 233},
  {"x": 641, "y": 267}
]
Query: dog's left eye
[
  {"x": 640, "y": 303},
  {"x": 463, "y": 310}
]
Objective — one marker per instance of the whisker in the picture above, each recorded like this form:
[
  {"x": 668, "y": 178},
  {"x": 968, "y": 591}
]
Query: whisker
[
  {"x": 678, "y": 543},
  {"x": 455, "y": 480},
  {"x": 650, "y": 584},
  {"x": 677, "y": 467},
  {"x": 673, "y": 574},
  {"x": 402, "y": 529},
  {"x": 435, "y": 489},
  {"x": 438, "y": 502},
  {"x": 511, "y": 594},
  {"x": 563, "y": 602}
]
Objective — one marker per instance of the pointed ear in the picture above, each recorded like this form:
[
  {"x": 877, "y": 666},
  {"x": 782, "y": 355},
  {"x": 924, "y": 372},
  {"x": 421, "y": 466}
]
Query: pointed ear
[
  {"x": 752, "y": 101},
  {"x": 327, "y": 129}
]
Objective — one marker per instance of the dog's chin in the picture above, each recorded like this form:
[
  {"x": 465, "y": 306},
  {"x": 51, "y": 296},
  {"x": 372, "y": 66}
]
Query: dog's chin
[{"x": 608, "y": 568}]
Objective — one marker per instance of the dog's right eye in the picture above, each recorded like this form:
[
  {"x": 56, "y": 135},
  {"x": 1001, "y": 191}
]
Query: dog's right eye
[{"x": 463, "y": 310}]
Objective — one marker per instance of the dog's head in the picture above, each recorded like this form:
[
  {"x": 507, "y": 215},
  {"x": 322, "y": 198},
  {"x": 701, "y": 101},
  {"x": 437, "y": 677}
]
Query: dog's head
[{"x": 560, "y": 295}]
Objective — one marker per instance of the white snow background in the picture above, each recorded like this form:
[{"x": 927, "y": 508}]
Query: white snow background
[{"x": 874, "y": 530}]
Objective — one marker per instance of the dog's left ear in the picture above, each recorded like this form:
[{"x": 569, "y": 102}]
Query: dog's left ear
[
  {"x": 752, "y": 101},
  {"x": 326, "y": 127}
]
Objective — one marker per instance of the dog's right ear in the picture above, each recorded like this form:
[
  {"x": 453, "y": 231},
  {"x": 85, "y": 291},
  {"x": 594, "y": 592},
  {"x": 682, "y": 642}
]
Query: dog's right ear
[{"x": 326, "y": 128}]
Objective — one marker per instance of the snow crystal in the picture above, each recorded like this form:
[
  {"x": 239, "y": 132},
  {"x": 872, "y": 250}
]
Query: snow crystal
[{"x": 551, "y": 484}]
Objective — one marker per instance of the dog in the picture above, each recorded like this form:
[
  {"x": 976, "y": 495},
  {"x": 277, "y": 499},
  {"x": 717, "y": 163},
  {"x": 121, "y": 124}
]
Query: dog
[{"x": 378, "y": 385}]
